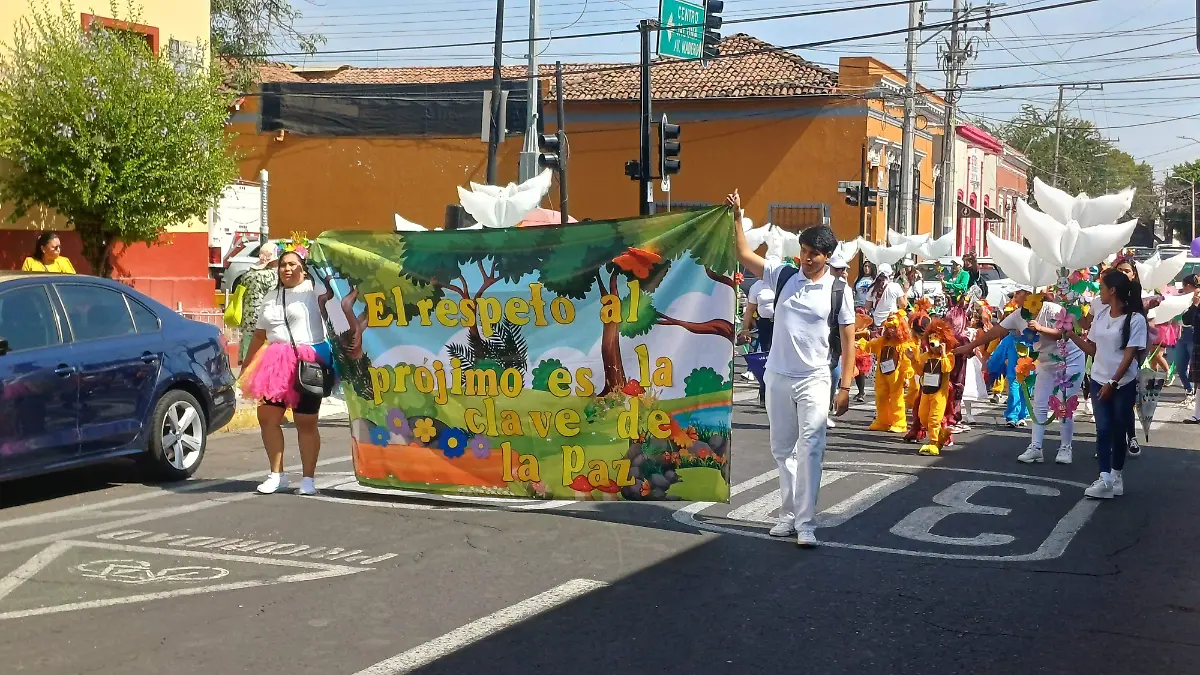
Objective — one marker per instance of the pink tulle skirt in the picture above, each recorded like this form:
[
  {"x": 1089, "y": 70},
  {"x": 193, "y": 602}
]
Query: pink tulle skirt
[{"x": 271, "y": 375}]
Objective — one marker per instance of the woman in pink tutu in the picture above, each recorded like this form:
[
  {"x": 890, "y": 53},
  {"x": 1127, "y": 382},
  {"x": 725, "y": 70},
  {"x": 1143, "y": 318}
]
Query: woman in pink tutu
[{"x": 289, "y": 328}]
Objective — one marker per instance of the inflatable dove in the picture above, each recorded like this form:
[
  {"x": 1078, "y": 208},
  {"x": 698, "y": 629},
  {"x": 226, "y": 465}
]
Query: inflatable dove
[
  {"x": 1156, "y": 272},
  {"x": 941, "y": 247},
  {"x": 1086, "y": 211},
  {"x": 846, "y": 250},
  {"x": 912, "y": 242},
  {"x": 755, "y": 236},
  {"x": 403, "y": 225},
  {"x": 1171, "y": 307},
  {"x": 1070, "y": 246},
  {"x": 1020, "y": 264},
  {"x": 502, "y": 207},
  {"x": 881, "y": 255}
]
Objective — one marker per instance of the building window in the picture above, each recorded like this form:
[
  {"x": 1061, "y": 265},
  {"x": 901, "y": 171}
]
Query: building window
[
  {"x": 661, "y": 206},
  {"x": 796, "y": 217},
  {"x": 150, "y": 33}
]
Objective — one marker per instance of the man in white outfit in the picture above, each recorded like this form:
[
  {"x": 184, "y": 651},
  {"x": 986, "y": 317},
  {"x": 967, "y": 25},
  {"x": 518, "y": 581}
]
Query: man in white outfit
[{"x": 810, "y": 329}]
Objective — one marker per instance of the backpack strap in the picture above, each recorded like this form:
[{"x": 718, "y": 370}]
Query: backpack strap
[
  {"x": 785, "y": 275},
  {"x": 835, "y": 332}
]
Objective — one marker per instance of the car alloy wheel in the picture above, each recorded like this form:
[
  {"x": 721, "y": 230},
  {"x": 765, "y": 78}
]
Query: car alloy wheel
[{"x": 182, "y": 435}]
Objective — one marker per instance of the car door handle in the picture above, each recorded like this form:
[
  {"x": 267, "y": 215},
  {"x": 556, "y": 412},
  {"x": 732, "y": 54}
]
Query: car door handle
[
  {"x": 148, "y": 357},
  {"x": 63, "y": 370}
]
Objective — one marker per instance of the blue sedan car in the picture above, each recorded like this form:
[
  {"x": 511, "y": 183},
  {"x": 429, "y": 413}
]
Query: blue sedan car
[{"x": 91, "y": 369}]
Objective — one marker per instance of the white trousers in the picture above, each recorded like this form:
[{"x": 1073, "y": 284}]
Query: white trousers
[
  {"x": 1043, "y": 386},
  {"x": 797, "y": 409}
]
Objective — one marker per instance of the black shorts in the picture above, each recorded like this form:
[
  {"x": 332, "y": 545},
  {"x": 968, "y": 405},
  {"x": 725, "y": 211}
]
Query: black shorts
[{"x": 310, "y": 404}]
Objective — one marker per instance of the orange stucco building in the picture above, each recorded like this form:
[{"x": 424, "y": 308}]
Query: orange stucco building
[{"x": 780, "y": 129}]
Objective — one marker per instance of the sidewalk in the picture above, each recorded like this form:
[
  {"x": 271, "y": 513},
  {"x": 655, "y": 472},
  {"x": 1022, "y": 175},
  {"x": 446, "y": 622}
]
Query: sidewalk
[{"x": 246, "y": 417}]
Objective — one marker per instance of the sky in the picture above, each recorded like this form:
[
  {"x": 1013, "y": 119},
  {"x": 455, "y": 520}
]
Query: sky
[{"x": 1074, "y": 44}]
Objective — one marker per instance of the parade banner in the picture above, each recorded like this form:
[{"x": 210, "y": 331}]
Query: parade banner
[{"x": 586, "y": 361}]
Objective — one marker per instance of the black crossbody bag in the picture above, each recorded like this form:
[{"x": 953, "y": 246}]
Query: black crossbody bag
[{"x": 312, "y": 377}]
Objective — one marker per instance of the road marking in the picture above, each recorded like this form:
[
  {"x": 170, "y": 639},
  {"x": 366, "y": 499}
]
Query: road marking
[
  {"x": 758, "y": 510},
  {"x": 458, "y": 638},
  {"x": 516, "y": 503},
  {"x": 1052, "y": 547},
  {"x": 40, "y": 561},
  {"x": 955, "y": 499},
  {"x": 255, "y": 546},
  {"x": 190, "y": 486},
  {"x": 139, "y": 572}
]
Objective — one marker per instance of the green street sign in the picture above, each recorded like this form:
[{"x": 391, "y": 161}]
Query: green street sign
[{"x": 681, "y": 43}]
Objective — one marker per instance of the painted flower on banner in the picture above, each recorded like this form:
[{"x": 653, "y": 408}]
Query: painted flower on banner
[
  {"x": 1025, "y": 366},
  {"x": 453, "y": 443},
  {"x": 480, "y": 446},
  {"x": 380, "y": 436},
  {"x": 424, "y": 430},
  {"x": 397, "y": 423}
]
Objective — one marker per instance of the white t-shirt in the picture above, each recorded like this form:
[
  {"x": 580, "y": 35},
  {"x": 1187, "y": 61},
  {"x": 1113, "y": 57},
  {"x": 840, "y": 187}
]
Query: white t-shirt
[
  {"x": 886, "y": 304},
  {"x": 1045, "y": 347},
  {"x": 303, "y": 314},
  {"x": 801, "y": 343},
  {"x": 763, "y": 296},
  {"x": 1106, "y": 335}
]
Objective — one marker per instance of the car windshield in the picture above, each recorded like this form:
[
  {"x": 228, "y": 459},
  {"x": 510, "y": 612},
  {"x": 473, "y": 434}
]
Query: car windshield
[
  {"x": 1190, "y": 267},
  {"x": 929, "y": 272}
]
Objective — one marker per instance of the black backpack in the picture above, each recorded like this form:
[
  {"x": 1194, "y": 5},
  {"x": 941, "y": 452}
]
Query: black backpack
[{"x": 839, "y": 291}]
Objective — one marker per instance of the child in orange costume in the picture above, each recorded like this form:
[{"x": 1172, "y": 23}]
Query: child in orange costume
[
  {"x": 891, "y": 370},
  {"x": 934, "y": 364}
]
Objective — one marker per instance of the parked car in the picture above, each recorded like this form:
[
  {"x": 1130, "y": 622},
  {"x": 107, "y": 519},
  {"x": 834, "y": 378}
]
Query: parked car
[
  {"x": 1140, "y": 253},
  {"x": 91, "y": 369},
  {"x": 999, "y": 286},
  {"x": 1168, "y": 251},
  {"x": 1192, "y": 266}
]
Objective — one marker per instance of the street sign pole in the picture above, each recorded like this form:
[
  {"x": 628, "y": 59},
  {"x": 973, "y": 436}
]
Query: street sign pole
[{"x": 645, "y": 187}]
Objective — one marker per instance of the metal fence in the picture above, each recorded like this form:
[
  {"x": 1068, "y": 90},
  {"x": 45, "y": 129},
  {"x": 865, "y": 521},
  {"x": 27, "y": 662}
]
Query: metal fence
[
  {"x": 214, "y": 317},
  {"x": 795, "y": 217}
]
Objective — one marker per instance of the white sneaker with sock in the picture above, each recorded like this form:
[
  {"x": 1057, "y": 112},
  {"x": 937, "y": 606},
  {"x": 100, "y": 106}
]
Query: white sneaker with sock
[
  {"x": 1101, "y": 489},
  {"x": 1064, "y": 455},
  {"x": 1032, "y": 455},
  {"x": 274, "y": 483},
  {"x": 1118, "y": 483},
  {"x": 782, "y": 530},
  {"x": 806, "y": 538},
  {"x": 829, "y": 423},
  {"x": 306, "y": 487}
]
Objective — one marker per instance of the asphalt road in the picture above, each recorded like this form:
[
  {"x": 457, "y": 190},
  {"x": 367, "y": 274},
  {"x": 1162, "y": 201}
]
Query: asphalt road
[{"x": 102, "y": 573}]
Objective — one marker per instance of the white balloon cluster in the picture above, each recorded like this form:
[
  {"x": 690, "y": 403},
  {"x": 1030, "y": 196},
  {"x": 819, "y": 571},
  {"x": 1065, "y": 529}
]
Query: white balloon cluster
[
  {"x": 1072, "y": 233},
  {"x": 493, "y": 206}
]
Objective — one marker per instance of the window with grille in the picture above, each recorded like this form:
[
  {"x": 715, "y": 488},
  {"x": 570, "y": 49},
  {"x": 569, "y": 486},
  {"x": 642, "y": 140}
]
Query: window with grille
[
  {"x": 661, "y": 206},
  {"x": 795, "y": 217}
]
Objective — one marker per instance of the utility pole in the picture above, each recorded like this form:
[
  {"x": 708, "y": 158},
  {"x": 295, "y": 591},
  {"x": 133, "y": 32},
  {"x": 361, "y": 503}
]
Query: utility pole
[
  {"x": 862, "y": 199},
  {"x": 907, "y": 153},
  {"x": 1058, "y": 124},
  {"x": 529, "y": 153},
  {"x": 645, "y": 180},
  {"x": 496, "y": 125},
  {"x": 564, "y": 149},
  {"x": 954, "y": 59}
]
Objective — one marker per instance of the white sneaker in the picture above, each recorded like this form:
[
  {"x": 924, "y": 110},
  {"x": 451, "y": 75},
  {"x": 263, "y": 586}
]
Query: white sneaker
[
  {"x": 782, "y": 530},
  {"x": 306, "y": 487},
  {"x": 1134, "y": 451},
  {"x": 748, "y": 376},
  {"x": 1064, "y": 455},
  {"x": 829, "y": 423},
  {"x": 1022, "y": 423},
  {"x": 806, "y": 538},
  {"x": 1032, "y": 455},
  {"x": 1100, "y": 490},
  {"x": 274, "y": 483},
  {"x": 1118, "y": 484}
]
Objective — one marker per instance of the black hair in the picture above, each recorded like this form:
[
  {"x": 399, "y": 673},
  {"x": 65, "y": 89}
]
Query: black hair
[
  {"x": 1129, "y": 293},
  {"x": 43, "y": 239},
  {"x": 1191, "y": 280},
  {"x": 820, "y": 238}
]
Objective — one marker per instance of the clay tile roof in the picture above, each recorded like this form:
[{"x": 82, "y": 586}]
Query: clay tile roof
[{"x": 762, "y": 72}]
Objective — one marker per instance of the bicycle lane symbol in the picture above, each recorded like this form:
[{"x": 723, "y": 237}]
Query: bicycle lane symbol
[{"x": 137, "y": 572}]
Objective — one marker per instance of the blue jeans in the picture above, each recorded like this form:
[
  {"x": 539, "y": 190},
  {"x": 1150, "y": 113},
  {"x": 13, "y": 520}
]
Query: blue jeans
[
  {"x": 1183, "y": 357},
  {"x": 1114, "y": 424}
]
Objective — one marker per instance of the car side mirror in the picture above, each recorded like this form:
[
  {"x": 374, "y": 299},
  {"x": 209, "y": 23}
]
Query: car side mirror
[{"x": 4, "y": 347}]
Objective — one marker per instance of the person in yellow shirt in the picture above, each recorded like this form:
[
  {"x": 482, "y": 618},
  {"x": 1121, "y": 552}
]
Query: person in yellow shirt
[{"x": 47, "y": 256}]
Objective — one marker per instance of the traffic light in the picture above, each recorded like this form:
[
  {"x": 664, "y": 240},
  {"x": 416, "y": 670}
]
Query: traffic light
[
  {"x": 668, "y": 148},
  {"x": 851, "y": 190},
  {"x": 870, "y": 196},
  {"x": 551, "y": 151},
  {"x": 712, "y": 28}
]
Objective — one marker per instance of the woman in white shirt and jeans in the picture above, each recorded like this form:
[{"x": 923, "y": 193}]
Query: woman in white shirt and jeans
[
  {"x": 290, "y": 328},
  {"x": 1118, "y": 333}
]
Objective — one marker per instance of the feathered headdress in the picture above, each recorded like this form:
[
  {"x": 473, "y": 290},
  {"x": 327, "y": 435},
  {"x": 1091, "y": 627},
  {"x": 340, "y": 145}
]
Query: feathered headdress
[{"x": 298, "y": 243}]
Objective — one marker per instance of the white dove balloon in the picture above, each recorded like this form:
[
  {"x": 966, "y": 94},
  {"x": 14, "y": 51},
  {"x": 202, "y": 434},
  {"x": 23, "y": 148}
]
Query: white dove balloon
[
  {"x": 912, "y": 242},
  {"x": 501, "y": 207},
  {"x": 941, "y": 247},
  {"x": 782, "y": 243},
  {"x": 1088, "y": 212},
  {"x": 847, "y": 250},
  {"x": 1156, "y": 272},
  {"x": 880, "y": 255},
  {"x": 1020, "y": 264},
  {"x": 1171, "y": 306},
  {"x": 1069, "y": 245},
  {"x": 403, "y": 225}
]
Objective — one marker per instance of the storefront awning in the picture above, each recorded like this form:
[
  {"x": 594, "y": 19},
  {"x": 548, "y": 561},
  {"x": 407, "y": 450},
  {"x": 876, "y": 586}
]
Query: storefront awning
[
  {"x": 991, "y": 216},
  {"x": 965, "y": 210}
]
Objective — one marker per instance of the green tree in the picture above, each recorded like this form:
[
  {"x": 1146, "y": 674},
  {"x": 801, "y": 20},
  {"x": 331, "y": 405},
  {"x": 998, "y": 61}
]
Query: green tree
[
  {"x": 245, "y": 31},
  {"x": 1179, "y": 190},
  {"x": 541, "y": 374},
  {"x": 1087, "y": 162},
  {"x": 703, "y": 381},
  {"x": 115, "y": 139}
]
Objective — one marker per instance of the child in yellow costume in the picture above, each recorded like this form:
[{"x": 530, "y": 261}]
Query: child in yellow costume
[
  {"x": 934, "y": 364},
  {"x": 891, "y": 372}
]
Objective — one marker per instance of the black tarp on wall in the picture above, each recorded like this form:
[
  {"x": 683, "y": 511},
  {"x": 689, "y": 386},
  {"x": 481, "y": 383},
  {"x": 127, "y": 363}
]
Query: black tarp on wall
[{"x": 448, "y": 109}]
